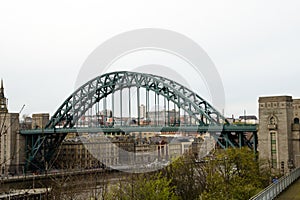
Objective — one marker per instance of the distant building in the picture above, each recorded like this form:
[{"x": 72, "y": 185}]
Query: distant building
[
  {"x": 142, "y": 111},
  {"x": 232, "y": 119},
  {"x": 279, "y": 131},
  {"x": 26, "y": 123},
  {"x": 163, "y": 117},
  {"x": 40, "y": 120},
  {"x": 248, "y": 119},
  {"x": 93, "y": 150},
  {"x": 83, "y": 152}
]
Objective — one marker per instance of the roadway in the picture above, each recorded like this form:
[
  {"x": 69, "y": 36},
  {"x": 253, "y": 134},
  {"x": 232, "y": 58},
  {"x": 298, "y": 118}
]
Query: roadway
[{"x": 128, "y": 129}]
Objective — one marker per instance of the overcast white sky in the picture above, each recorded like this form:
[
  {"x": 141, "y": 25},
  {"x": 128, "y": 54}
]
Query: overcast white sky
[{"x": 254, "y": 44}]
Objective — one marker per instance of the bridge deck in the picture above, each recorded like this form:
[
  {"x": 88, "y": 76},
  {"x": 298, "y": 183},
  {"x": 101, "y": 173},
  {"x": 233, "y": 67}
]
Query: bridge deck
[{"x": 200, "y": 129}]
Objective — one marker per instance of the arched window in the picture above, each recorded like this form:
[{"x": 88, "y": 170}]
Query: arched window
[
  {"x": 296, "y": 120},
  {"x": 272, "y": 120}
]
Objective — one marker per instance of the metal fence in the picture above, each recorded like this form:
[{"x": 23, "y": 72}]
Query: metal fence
[{"x": 273, "y": 190}]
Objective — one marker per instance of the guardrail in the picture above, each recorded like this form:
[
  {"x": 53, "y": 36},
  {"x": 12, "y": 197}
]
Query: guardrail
[{"x": 273, "y": 190}]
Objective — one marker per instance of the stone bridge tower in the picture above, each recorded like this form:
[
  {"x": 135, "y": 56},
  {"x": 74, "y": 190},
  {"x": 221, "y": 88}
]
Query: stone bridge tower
[{"x": 278, "y": 136}]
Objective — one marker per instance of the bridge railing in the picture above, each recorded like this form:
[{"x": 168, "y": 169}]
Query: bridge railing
[{"x": 273, "y": 190}]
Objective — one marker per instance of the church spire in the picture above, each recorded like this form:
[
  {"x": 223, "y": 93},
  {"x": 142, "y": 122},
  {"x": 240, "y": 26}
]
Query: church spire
[
  {"x": 3, "y": 100},
  {"x": 2, "y": 89}
]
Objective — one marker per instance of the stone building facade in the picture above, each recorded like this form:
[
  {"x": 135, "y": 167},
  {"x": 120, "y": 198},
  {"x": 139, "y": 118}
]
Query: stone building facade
[
  {"x": 11, "y": 143},
  {"x": 88, "y": 151},
  {"x": 39, "y": 120},
  {"x": 279, "y": 131}
]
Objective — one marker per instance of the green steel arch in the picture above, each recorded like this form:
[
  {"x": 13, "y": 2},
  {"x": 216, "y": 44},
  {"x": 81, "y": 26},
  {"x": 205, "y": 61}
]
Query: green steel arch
[
  {"x": 96, "y": 89},
  {"x": 75, "y": 106}
]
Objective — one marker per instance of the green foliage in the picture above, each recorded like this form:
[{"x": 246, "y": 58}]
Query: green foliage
[
  {"x": 234, "y": 174},
  {"x": 186, "y": 176},
  {"x": 229, "y": 174},
  {"x": 153, "y": 187}
]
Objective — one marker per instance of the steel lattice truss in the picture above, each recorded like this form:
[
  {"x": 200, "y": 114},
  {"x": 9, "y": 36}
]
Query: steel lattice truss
[
  {"x": 93, "y": 91},
  {"x": 100, "y": 87}
]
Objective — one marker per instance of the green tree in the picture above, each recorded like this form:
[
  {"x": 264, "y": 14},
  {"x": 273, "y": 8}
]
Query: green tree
[
  {"x": 144, "y": 186},
  {"x": 186, "y": 176},
  {"x": 234, "y": 174}
]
